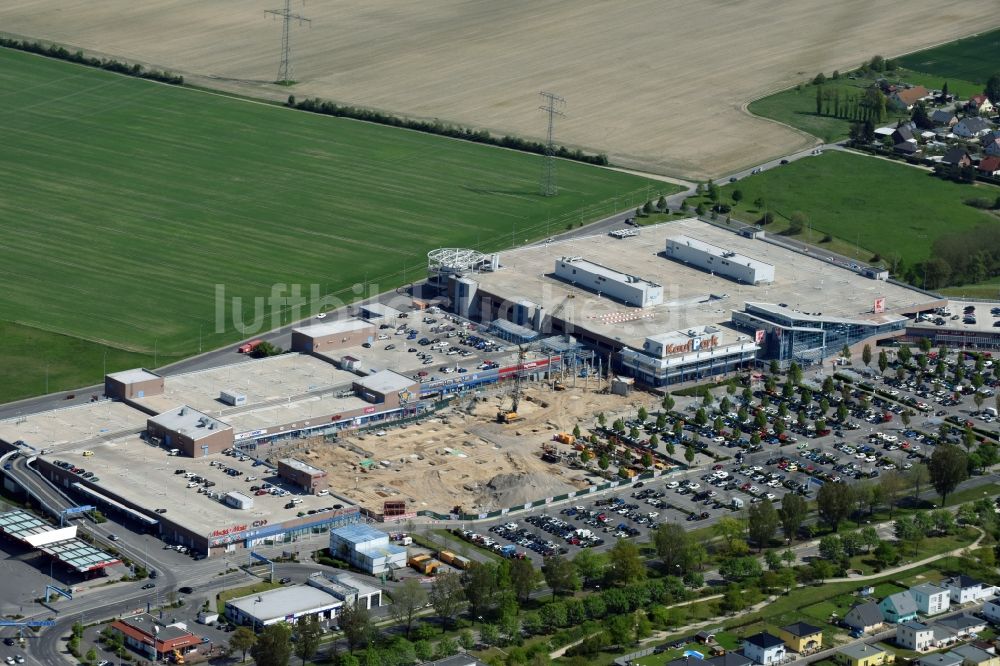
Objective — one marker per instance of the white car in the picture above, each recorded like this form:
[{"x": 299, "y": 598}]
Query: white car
[
  {"x": 770, "y": 496},
  {"x": 321, "y": 315},
  {"x": 694, "y": 486},
  {"x": 673, "y": 484},
  {"x": 383, "y": 336}
]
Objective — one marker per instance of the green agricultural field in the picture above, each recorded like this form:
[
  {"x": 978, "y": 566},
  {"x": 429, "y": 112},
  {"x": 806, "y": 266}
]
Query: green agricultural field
[
  {"x": 129, "y": 205},
  {"x": 974, "y": 58},
  {"x": 883, "y": 207}
]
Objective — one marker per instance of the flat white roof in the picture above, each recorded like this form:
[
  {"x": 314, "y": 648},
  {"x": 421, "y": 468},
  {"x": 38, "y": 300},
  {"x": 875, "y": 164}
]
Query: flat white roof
[
  {"x": 603, "y": 271},
  {"x": 720, "y": 252},
  {"x": 189, "y": 421},
  {"x": 385, "y": 381},
  {"x": 295, "y": 463},
  {"x": 381, "y": 310},
  {"x": 333, "y": 327},
  {"x": 285, "y": 601},
  {"x": 134, "y": 376}
]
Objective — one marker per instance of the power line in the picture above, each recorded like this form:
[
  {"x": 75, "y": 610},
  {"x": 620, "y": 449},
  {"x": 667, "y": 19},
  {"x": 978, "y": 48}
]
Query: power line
[
  {"x": 548, "y": 185},
  {"x": 286, "y": 15}
]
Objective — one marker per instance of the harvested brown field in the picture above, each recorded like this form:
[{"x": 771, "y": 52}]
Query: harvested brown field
[
  {"x": 462, "y": 459},
  {"x": 658, "y": 85}
]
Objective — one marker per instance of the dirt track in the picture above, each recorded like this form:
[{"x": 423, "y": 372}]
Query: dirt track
[
  {"x": 462, "y": 459},
  {"x": 657, "y": 84}
]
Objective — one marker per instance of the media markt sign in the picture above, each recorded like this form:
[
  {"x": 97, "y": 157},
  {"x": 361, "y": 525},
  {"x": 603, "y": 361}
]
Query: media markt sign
[{"x": 693, "y": 345}]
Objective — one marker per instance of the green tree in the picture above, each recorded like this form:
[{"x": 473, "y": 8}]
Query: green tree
[
  {"x": 560, "y": 575},
  {"x": 866, "y": 355},
  {"x": 589, "y": 564},
  {"x": 447, "y": 596},
  {"x": 625, "y": 564},
  {"x": 603, "y": 461},
  {"x": 242, "y": 640},
  {"x": 831, "y": 548},
  {"x": 667, "y": 403},
  {"x": 762, "y": 521},
  {"x": 642, "y": 414},
  {"x": 885, "y": 554},
  {"x": 273, "y": 646},
  {"x": 91, "y": 656},
  {"x": 883, "y": 361},
  {"x": 833, "y": 503},
  {"x": 524, "y": 578},
  {"x": 948, "y": 467},
  {"x": 309, "y": 637},
  {"x": 689, "y": 454},
  {"x": 737, "y": 197},
  {"x": 992, "y": 89},
  {"x": 407, "y": 599}
]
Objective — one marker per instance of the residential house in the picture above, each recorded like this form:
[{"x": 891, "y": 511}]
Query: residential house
[
  {"x": 729, "y": 659},
  {"x": 988, "y": 166},
  {"x": 764, "y": 648},
  {"x": 455, "y": 660},
  {"x": 906, "y": 98},
  {"x": 801, "y": 637},
  {"x": 990, "y": 143},
  {"x": 940, "y": 659},
  {"x": 899, "y": 607},
  {"x": 944, "y": 118},
  {"x": 964, "y": 589},
  {"x": 964, "y": 625},
  {"x": 903, "y": 134},
  {"x": 957, "y": 156},
  {"x": 980, "y": 105},
  {"x": 867, "y": 617},
  {"x": 906, "y": 148},
  {"x": 914, "y": 635},
  {"x": 944, "y": 636},
  {"x": 930, "y": 598},
  {"x": 976, "y": 656},
  {"x": 991, "y": 611},
  {"x": 971, "y": 127},
  {"x": 860, "y": 654}
]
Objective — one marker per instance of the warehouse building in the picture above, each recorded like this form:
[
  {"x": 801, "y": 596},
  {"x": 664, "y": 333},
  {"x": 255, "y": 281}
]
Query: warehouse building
[
  {"x": 387, "y": 388},
  {"x": 136, "y": 383},
  {"x": 333, "y": 335},
  {"x": 378, "y": 312},
  {"x": 366, "y": 548},
  {"x": 604, "y": 281},
  {"x": 349, "y": 589},
  {"x": 284, "y": 604},
  {"x": 718, "y": 260},
  {"x": 190, "y": 431},
  {"x": 305, "y": 476}
]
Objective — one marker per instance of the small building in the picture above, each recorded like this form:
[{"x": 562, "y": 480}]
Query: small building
[
  {"x": 957, "y": 156},
  {"x": 904, "y": 99},
  {"x": 930, "y": 599},
  {"x": 989, "y": 143},
  {"x": 940, "y": 659},
  {"x": 283, "y": 604},
  {"x": 238, "y": 500},
  {"x": 153, "y": 639},
  {"x": 455, "y": 660},
  {"x": 192, "y": 432},
  {"x": 865, "y": 618},
  {"x": 729, "y": 659},
  {"x": 378, "y": 311},
  {"x": 899, "y": 607},
  {"x": 366, "y": 548},
  {"x": 349, "y": 589},
  {"x": 764, "y": 648},
  {"x": 989, "y": 167},
  {"x": 914, "y": 635},
  {"x": 387, "y": 387},
  {"x": 964, "y": 625},
  {"x": 801, "y": 637},
  {"x": 975, "y": 656},
  {"x": 943, "y": 636},
  {"x": 310, "y": 479},
  {"x": 129, "y": 384},
  {"x": 980, "y": 105},
  {"x": 862, "y": 654},
  {"x": 944, "y": 118},
  {"x": 333, "y": 335}
]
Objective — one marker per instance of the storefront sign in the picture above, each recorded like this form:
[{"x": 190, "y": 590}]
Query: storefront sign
[
  {"x": 229, "y": 530},
  {"x": 694, "y": 344},
  {"x": 369, "y": 410},
  {"x": 252, "y": 433}
]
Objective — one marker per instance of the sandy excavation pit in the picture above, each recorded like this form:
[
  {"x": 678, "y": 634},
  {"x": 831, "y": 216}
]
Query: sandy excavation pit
[{"x": 462, "y": 459}]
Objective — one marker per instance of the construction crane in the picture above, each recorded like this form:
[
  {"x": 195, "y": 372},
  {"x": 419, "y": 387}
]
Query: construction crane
[{"x": 510, "y": 415}]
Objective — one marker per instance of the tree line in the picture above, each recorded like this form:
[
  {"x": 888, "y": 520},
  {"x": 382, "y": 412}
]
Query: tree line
[
  {"x": 60, "y": 53},
  {"x": 442, "y": 129},
  {"x": 961, "y": 257}
]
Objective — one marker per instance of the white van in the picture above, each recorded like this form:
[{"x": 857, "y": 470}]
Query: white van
[
  {"x": 322, "y": 493},
  {"x": 296, "y": 500},
  {"x": 173, "y": 452}
]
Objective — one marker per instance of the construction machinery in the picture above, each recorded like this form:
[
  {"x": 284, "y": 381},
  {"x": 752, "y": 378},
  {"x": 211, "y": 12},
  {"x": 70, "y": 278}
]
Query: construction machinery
[
  {"x": 564, "y": 438},
  {"x": 177, "y": 657},
  {"x": 558, "y": 386}
]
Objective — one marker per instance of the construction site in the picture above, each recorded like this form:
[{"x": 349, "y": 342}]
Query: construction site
[{"x": 466, "y": 456}]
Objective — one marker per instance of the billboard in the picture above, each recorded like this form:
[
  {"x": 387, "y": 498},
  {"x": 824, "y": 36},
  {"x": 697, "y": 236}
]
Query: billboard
[
  {"x": 879, "y": 305},
  {"x": 758, "y": 336}
]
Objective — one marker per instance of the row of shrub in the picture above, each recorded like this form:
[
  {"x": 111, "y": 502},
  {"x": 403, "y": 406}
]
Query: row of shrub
[
  {"x": 442, "y": 129},
  {"x": 54, "y": 51}
]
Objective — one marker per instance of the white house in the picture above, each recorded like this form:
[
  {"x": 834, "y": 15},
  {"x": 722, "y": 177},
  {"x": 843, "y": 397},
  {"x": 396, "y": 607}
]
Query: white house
[
  {"x": 964, "y": 590},
  {"x": 914, "y": 635},
  {"x": 971, "y": 127},
  {"x": 764, "y": 648},
  {"x": 991, "y": 611},
  {"x": 930, "y": 598}
]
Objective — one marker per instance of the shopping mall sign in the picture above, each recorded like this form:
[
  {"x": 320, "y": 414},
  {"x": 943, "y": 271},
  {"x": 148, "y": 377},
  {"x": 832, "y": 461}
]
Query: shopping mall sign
[{"x": 693, "y": 345}]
